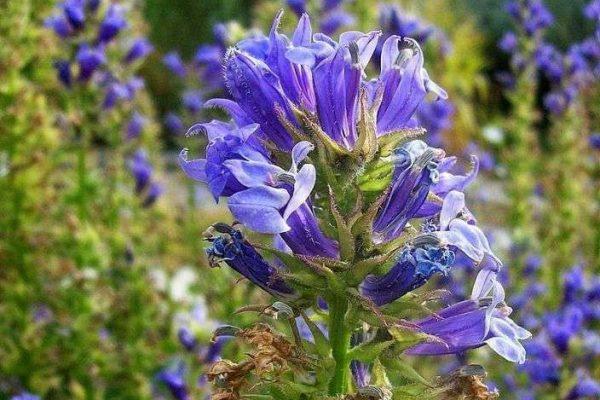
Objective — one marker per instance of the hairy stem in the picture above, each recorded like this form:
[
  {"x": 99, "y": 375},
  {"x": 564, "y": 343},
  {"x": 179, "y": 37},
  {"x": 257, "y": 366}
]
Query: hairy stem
[{"x": 339, "y": 337}]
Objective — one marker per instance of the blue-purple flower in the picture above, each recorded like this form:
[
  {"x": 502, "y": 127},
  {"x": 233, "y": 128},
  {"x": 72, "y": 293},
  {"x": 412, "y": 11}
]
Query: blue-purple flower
[
  {"x": 474, "y": 323},
  {"x": 25, "y": 396},
  {"x": 233, "y": 249},
  {"x": 139, "y": 49},
  {"x": 145, "y": 185},
  {"x": 175, "y": 64},
  {"x": 135, "y": 126},
  {"x": 113, "y": 22},
  {"x": 174, "y": 380},
  {"x": 412, "y": 270},
  {"x": 89, "y": 60}
]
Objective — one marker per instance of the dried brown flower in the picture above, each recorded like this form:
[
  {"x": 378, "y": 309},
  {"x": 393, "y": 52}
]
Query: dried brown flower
[{"x": 466, "y": 383}]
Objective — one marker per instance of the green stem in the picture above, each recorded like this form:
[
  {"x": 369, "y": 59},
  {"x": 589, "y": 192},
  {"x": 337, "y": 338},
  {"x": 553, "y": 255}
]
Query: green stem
[
  {"x": 82, "y": 180},
  {"x": 339, "y": 338}
]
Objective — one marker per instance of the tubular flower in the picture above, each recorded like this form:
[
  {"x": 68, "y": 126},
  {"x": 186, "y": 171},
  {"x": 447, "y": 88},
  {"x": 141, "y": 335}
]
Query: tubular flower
[
  {"x": 142, "y": 171},
  {"x": 263, "y": 196},
  {"x": 240, "y": 255},
  {"x": 474, "y": 323},
  {"x": 415, "y": 171},
  {"x": 413, "y": 269}
]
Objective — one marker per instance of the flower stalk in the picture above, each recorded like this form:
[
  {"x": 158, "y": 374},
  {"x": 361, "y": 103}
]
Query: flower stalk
[{"x": 339, "y": 337}]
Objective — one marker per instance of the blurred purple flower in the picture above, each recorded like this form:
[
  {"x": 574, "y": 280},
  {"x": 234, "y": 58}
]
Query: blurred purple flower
[
  {"x": 174, "y": 64},
  {"x": 89, "y": 60},
  {"x": 135, "y": 126},
  {"x": 113, "y": 22},
  {"x": 174, "y": 124},
  {"x": 140, "y": 48}
]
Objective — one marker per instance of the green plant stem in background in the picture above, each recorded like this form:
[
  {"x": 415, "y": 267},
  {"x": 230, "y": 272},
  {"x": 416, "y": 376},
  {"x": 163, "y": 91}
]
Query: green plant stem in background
[
  {"x": 562, "y": 227},
  {"x": 521, "y": 155},
  {"x": 339, "y": 337},
  {"x": 82, "y": 203}
]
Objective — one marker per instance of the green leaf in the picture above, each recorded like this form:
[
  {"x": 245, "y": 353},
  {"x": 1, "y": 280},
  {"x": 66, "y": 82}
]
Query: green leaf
[
  {"x": 321, "y": 343},
  {"x": 379, "y": 376},
  {"x": 345, "y": 236},
  {"x": 405, "y": 370},
  {"x": 391, "y": 141},
  {"x": 366, "y": 145},
  {"x": 406, "y": 337},
  {"x": 368, "y": 351},
  {"x": 363, "y": 268}
]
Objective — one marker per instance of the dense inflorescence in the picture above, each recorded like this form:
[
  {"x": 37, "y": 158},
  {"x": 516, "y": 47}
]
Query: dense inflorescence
[{"x": 361, "y": 212}]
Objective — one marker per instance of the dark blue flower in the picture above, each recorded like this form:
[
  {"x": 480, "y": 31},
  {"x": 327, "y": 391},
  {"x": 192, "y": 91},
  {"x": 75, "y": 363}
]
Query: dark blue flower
[
  {"x": 586, "y": 388},
  {"x": 555, "y": 102},
  {"x": 533, "y": 262},
  {"x": 509, "y": 42},
  {"x": 592, "y": 10},
  {"x": 413, "y": 269},
  {"x": 574, "y": 284},
  {"x": 74, "y": 12},
  {"x": 297, "y": 6},
  {"x": 63, "y": 70},
  {"x": 89, "y": 60},
  {"x": 435, "y": 117},
  {"x": 135, "y": 126},
  {"x": 141, "y": 170},
  {"x": 192, "y": 101},
  {"x": 140, "y": 48},
  {"x": 93, "y": 5},
  {"x": 153, "y": 193},
  {"x": 221, "y": 34},
  {"x": 174, "y": 380},
  {"x": 174, "y": 124},
  {"x": 113, "y": 22},
  {"x": 542, "y": 365},
  {"x": 563, "y": 325},
  {"x": 335, "y": 20},
  {"x": 187, "y": 339},
  {"x": 395, "y": 21},
  {"x": 232, "y": 249},
  {"x": 174, "y": 63},
  {"x": 60, "y": 25},
  {"x": 212, "y": 352}
]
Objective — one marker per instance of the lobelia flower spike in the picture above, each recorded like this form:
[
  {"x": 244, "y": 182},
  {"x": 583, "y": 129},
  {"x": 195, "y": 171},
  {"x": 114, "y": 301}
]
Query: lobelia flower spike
[{"x": 307, "y": 132}]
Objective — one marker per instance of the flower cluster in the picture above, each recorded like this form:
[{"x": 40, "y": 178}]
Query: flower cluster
[
  {"x": 568, "y": 73},
  {"x": 362, "y": 213},
  {"x": 91, "y": 36},
  {"x": 434, "y": 116},
  {"x": 146, "y": 187},
  {"x": 193, "y": 326},
  {"x": 101, "y": 68},
  {"x": 565, "y": 336},
  {"x": 201, "y": 77}
]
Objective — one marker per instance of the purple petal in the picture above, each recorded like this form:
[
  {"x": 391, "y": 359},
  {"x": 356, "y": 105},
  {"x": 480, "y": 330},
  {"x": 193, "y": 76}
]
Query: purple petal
[
  {"x": 195, "y": 169},
  {"x": 258, "y": 209},
  {"x": 299, "y": 153},
  {"x": 453, "y": 204},
  {"x": 305, "y": 182},
  {"x": 303, "y": 33},
  {"x": 253, "y": 174}
]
